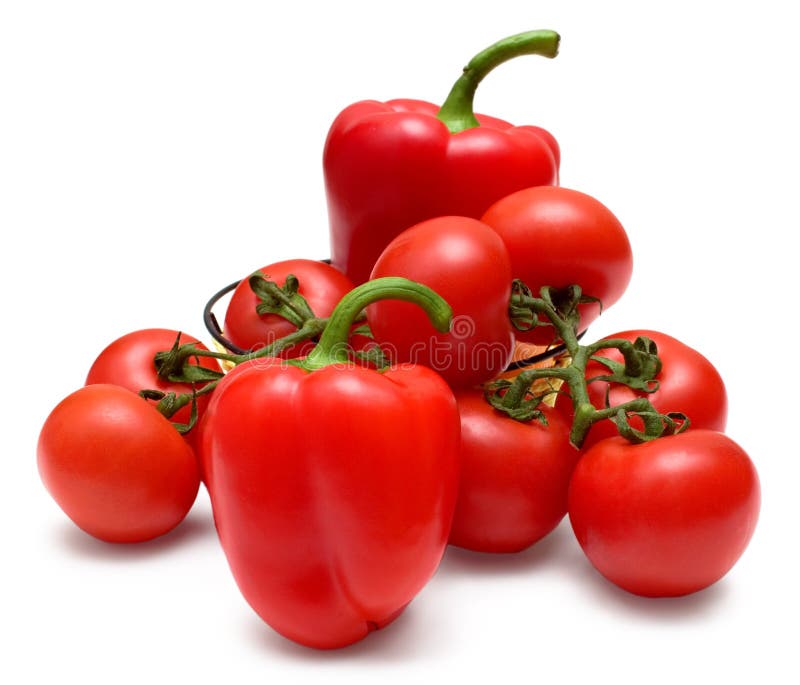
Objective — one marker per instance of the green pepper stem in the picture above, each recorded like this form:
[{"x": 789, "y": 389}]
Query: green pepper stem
[
  {"x": 457, "y": 112},
  {"x": 332, "y": 347}
]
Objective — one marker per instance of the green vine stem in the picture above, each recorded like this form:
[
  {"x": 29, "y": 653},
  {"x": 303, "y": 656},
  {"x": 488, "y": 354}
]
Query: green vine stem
[
  {"x": 641, "y": 365},
  {"x": 186, "y": 372},
  {"x": 177, "y": 359},
  {"x": 176, "y": 365},
  {"x": 457, "y": 111},
  {"x": 332, "y": 348}
]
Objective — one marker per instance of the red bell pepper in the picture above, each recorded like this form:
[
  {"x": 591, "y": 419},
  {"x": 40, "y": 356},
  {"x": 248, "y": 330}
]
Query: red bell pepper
[
  {"x": 391, "y": 165},
  {"x": 333, "y": 485}
]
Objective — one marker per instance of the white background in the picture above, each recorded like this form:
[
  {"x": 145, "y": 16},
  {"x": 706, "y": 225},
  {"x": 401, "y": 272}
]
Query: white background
[{"x": 151, "y": 152}]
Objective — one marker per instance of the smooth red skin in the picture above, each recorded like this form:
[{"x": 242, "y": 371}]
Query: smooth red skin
[
  {"x": 115, "y": 465},
  {"x": 333, "y": 492},
  {"x": 514, "y": 477},
  {"x": 688, "y": 383},
  {"x": 667, "y": 517},
  {"x": 560, "y": 237},
  {"x": 319, "y": 283},
  {"x": 466, "y": 263},
  {"x": 128, "y": 362},
  {"x": 390, "y": 165}
]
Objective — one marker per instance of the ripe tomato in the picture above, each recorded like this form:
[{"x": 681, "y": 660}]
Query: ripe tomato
[
  {"x": 514, "y": 477},
  {"x": 115, "y": 465},
  {"x": 688, "y": 383},
  {"x": 466, "y": 263},
  {"x": 321, "y": 284},
  {"x": 666, "y": 517},
  {"x": 560, "y": 237},
  {"x": 128, "y": 362}
]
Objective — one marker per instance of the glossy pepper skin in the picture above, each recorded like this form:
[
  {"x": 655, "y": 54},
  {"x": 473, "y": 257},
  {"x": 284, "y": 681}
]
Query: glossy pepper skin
[
  {"x": 390, "y": 165},
  {"x": 333, "y": 488}
]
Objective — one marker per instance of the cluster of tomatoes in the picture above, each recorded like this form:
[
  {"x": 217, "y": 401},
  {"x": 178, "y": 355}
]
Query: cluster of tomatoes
[{"x": 355, "y": 426}]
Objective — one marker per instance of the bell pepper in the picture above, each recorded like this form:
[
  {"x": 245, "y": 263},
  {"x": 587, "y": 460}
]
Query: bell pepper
[
  {"x": 390, "y": 165},
  {"x": 333, "y": 485}
]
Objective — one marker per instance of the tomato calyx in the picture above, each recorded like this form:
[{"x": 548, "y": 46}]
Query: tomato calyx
[
  {"x": 284, "y": 301},
  {"x": 169, "y": 403},
  {"x": 181, "y": 364},
  {"x": 638, "y": 370},
  {"x": 175, "y": 364},
  {"x": 656, "y": 425},
  {"x": 520, "y": 403},
  {"x": 641, "y": 363},
  {"x": 527, "y": 311}
]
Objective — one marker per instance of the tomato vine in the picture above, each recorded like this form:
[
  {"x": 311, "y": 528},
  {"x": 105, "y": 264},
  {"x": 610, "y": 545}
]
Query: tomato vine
[{"x": 639, "y": 370}]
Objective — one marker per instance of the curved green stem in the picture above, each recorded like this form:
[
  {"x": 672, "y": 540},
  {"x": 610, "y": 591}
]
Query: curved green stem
[
  {"x": 457, "y": 111},
  {"x": 332, "y": 347},
  {"x": 310, "y": 329}
]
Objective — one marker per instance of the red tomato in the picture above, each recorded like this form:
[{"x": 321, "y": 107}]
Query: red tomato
[
  {"x": 320, "y": 284},
  {"x": 560, "y": 237},
  {"x": 128, "y": 362},
  {"x": 666, "y": 517},
  {"x": 514, "y": 477},
  {"x": 688, "y": 383},
  {"x": 115, "y": 465},
  {"x": 466, "y": 263}
]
